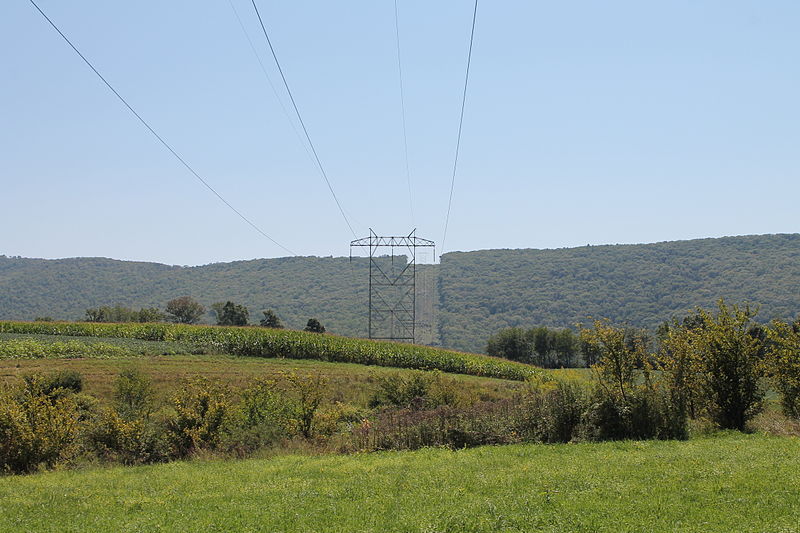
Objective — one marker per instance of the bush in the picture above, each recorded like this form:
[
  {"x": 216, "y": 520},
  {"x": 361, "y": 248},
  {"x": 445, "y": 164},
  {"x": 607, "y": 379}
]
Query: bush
[
  {"x": 127, "y": 441},
  {"x": 200, "y": 411},
  {"x": 416, "y": 390},
  {"x": 133, "y": 395},
  {"x": 731, "y": 365},
  {"x": 308, "y": 392},
  {"x": 36, "y": 429},
  {"x": 553, "y": 410},
  {"x": 263, "y": 417},
  {"x": 784, "y": 365}
]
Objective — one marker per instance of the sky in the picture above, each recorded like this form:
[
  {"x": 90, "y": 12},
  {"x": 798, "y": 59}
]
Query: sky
[{"x": 585, "y": 123}]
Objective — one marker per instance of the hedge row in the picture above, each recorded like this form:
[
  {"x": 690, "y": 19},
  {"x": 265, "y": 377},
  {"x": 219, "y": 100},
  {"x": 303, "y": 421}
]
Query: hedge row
[{"x": 264, "y": 342}]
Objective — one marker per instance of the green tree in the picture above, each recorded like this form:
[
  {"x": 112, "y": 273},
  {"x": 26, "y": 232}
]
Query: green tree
[
  {"x": 314, "y": 326},
  {"x": 232, "y": 314},
  {"x": 185, "y": 310},
  {"x": 730, "y": 364},
  {"x": 270, "y": 320},
  {"x": 510, "y": 343}
]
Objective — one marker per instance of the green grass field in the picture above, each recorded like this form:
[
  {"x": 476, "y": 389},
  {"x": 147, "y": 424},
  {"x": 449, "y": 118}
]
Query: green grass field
[
  {"x": 731, "y": 482},
  {"x": 347, "y": 382}
]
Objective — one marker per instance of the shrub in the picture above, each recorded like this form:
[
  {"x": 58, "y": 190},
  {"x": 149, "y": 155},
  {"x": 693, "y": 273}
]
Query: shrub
[
  {"x": 200, "y": 411},
  {"x": 53, "y": 385},
  {"x": 552, "y": 410},
  {"x": 133, "y": 395},
  {"x": 416, "y": 390},
  {"x": 731, "y": 364},
  {"x": 626, "y": 403},
  {"x": 784, "y": 365},
  {"x": 308, "y": 392},
  {"x": 36, "y": 429},
  {"x": 127, "y": 441},
  {"x": 263, "y": 416}
]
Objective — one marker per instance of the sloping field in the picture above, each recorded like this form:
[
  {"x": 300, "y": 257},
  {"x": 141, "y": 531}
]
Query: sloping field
[
  {"x": 265, "y": 342},
  {"x": 732, "y": 482}
]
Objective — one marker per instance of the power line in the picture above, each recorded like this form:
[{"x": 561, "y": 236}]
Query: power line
[
  {"x": 300, "y": 118},
  {"x": 157, "y": 136},
  {"x": 403, "y": 111},
  {"x": 460, "y": 124},
  {"x": 269, "y": 80}
]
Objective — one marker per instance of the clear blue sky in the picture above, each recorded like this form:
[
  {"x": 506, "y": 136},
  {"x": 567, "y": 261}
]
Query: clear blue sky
[{"x": 586, "y": 122}]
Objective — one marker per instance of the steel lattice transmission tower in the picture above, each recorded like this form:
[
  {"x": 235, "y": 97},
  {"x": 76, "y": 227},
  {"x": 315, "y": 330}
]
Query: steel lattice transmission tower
[{"x": 392, "y": 287}]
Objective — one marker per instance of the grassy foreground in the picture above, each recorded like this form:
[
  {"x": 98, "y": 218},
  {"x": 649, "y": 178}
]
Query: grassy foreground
[{"x": 731, "y": 482}]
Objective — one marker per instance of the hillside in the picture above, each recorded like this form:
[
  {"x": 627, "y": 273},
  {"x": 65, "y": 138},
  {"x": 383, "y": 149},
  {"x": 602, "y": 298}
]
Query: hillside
[
  {"x": 476, "y": 293},
  {"x": 642, "y": 284}
]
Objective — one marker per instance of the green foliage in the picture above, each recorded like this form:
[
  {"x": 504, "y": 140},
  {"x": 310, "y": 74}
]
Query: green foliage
[
  {"x": 133, "y": 395},
  {"x": 119, "y": 313},
  {"x": 37, "y": 427},
  {"x": 474, "y": 293},
  {"x": 308, "y": 392},
  {"x": 784, "y": 365},
  {"x": 626, "y": 403},
  {"x": 129, "y": 441},
  {"x": 270, "y": 320},
  {"x": 729, "y": 483},
  {"x": 541, "y": 346},
  {"x": 731, "y": 364},
  {"x": 200, "y": 411},
  {"x": 416, "y": 390},
  {"x": 264, "y": 416},
  {"x": 642, "y": 285},
  {"x": 266, "y": 342},
  {"x": 185, "y": 310},
  {"x": 36, "y": 349},
  {"x": 313, "y": 326},
  {"x": 230, "y": 314},
  {"x": 554, "y": 409}
]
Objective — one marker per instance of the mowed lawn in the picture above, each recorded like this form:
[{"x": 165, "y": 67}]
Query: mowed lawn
[{"x": 728, "y": 483}]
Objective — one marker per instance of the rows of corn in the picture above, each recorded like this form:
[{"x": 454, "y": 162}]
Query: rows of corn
[{"x": 264, "y": 342}]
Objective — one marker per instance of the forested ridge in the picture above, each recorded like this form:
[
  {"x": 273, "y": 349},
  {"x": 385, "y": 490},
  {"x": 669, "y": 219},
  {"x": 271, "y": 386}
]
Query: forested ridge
[{"x": 478, "y": 293}]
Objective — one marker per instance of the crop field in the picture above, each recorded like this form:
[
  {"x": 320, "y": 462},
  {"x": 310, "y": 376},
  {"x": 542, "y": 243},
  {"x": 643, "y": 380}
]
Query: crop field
[
  {"x": 731, "y": 482},
  {"x": 271, "y": 343}
]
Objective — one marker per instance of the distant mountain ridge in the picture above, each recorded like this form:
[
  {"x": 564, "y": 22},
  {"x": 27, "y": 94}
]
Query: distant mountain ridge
[{"x": 472, "y": 294}]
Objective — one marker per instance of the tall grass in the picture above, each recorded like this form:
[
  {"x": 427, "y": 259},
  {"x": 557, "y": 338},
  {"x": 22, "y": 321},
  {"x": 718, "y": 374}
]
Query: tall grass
[{"x": 264, "y": 342}]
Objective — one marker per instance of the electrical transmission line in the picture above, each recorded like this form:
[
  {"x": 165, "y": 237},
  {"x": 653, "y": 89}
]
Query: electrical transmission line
[
  {"x": 300, "y": 118},
  {"x": 403, "y": 110},
  {"x": 269, "y": 80},
  {"x": 155, "y": 134},
  {"x": 460, "y": 124}
]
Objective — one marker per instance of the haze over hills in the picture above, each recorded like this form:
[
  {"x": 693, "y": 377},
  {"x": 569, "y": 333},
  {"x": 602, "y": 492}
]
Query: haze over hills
[{"x": 466, "y": 298}]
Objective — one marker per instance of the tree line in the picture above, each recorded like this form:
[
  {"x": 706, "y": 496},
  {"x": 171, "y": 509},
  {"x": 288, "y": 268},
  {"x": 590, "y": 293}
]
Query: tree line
[{"x": 187, "y": 310}]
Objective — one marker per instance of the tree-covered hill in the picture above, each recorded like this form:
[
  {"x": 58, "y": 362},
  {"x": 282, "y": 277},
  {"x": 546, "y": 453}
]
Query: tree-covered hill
[
  {"x": 298, "y": 288},
  {"x": 476, "y": 294},
  {"x": 644, "y": 284}
]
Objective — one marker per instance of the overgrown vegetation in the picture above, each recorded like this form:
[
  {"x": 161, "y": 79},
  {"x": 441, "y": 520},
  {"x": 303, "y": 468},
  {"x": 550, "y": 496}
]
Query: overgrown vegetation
[{"x": 709, "y": 370}]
